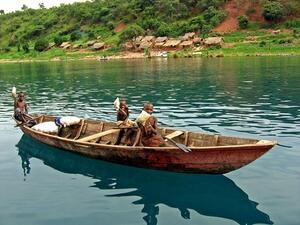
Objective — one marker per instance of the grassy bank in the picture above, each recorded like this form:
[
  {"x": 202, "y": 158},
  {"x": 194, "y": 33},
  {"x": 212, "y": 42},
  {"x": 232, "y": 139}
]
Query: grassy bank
[{"x": 246, "y": 43}]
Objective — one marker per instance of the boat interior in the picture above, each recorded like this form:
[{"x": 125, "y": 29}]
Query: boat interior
[{"x": 103, "y": 132}]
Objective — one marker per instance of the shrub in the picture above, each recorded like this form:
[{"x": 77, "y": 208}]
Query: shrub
[
  {"x": 41, "y": 45},
  {"x": 163, "y": 30},
  {"x": 130, "y": 32},
  {"x": 110, "y": 25},
  {"x": 150, "y": 23},
  {"x": 295, "y": 23},
  {"x": 75, "y": 36},
  {"x": 243, "y": 22},
  {"x": 6, "y": 49},
  {"x": 205, "y": 4},
  {"x": 33, "y": 31},
  {"x": 19, "y": 46},
  {"x": 13, "y": 41},
  {"x": 262, "y": 44},
  {"x": 285, "y": 41},
  {"x": 25, "y": 47},
  {"x": 196, "y": 23},
  {"x": 206, "y": 28},
  {"x": 104, "y": 12},
  {"x": 214, "y": 16},
  {"x": 58, "y": 40},
  {"x": 91, "y": 34},
  {"x": 180, "y": 28},
  {"x": 273, "y": 11}
]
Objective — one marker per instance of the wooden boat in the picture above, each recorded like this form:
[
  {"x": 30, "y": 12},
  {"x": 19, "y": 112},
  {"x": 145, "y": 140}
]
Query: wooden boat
[
  {"x": 215, "y": 154},
  {"x": 212, "y": 196}
]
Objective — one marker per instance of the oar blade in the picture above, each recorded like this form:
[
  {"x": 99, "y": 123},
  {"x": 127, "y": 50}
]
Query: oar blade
[{"x": 183, "y": 147}]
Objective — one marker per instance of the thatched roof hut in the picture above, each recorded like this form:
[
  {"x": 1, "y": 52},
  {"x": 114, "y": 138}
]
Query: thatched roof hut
[
  {"x": 91, "y": 43},
  {"x": 188, "y": 36},
  {"x": 216, "y": 41},
  {"x": 145, "y": 44},
  {"x": 172, "y": 43},
  {"x": 128, "y": 46},
  {"x": 148, "y": 38},
  {"x": 197, "y": 40},
  {"x": 186, "y": 44},
  {"x": 159, "y": 45},
  {"x": 77, "y": 46},
  {"x": 98, "y": 46},
  {"x": 161, "y": 40},
  {"x": 64, "y": 44},
  {"x": 139, "y": 38}
]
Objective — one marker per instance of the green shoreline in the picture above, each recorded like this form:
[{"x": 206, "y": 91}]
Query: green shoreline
[
  {"x": 133, "y": 55},
  {"x": 240, "y": 43}
]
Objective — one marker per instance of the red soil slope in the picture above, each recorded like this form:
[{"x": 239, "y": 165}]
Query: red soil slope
[
  {"x": 236, "y": 8},
  {"x": 120, "y": 27}
]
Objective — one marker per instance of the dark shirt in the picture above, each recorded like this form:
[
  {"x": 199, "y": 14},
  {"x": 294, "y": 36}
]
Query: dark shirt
[{"x": 122, "y": 114}]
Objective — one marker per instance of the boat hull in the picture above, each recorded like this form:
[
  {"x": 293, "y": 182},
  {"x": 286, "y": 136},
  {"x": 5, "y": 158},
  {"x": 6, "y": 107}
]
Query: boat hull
[{"x": 211, "y": 160}]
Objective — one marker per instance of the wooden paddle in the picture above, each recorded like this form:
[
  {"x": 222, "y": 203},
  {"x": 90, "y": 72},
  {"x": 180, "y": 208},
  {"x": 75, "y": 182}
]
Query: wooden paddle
[{"x": 178, "y": 145}]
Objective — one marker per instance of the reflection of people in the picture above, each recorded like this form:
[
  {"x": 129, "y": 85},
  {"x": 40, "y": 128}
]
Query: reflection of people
[
  {"x": 25, "y": 163},
  {"x": 152, "y": 211},
  {"x": 148, "y": 125}
]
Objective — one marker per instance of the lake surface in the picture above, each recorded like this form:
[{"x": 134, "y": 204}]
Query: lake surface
[{"x": 247, "y": 97}]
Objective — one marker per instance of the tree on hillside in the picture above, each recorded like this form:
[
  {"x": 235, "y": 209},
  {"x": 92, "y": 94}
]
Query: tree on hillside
[
  {"x": 205, "y": 4},
  {"x": 58, "y": 40},
  {"x": 41, "y": 5},
  {"x": 243, "y": 22},
  {"x": 75, "y": 35},
  {"x": 163, "y": 30},
  {"x": 273, "y": 11},
  {"x": 2, "y": 11},
  {"x": 24, "y": 7},
  {"x": 41, "y": 45},
  {"x": 172, "y": 9},
  {"x": 25, "y": 47},
  {"x": 131, "y": 32}
]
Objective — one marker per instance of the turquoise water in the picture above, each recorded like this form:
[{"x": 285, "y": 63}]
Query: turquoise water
[{"x": 247, "y": 97}]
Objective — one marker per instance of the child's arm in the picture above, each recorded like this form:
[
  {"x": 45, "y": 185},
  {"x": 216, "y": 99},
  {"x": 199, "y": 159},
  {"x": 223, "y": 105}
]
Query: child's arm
[{"x": 26, "y": 108}]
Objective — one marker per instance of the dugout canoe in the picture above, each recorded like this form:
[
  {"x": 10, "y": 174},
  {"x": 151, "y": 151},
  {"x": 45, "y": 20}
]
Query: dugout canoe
[{"x": 212, "y": 154}]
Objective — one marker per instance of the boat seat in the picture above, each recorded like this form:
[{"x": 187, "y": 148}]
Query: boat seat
[
  {"x": 174, "y": 134},
  {"x": 98, "y": 135}
]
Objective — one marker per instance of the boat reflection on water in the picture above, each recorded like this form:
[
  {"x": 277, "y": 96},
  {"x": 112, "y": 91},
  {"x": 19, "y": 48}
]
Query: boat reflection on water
[{"x": 209, "y": 195}]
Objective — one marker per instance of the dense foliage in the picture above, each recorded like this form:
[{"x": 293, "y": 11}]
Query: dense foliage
[
  {"x": 87, "y": 20},
  {"x": 83, "y": 21},
  {"x": 273, "y": 11},
  {"x": 41, "y": 45},
  {"x": 131, "y": 32}
]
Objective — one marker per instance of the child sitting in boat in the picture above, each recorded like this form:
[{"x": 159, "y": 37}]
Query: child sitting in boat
[
  {"x": 127, "y": 134},
  {"x": 21, "y": 109},
  {"x": 123, "y": 111},
  {"x": 148, "y": 125}
]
